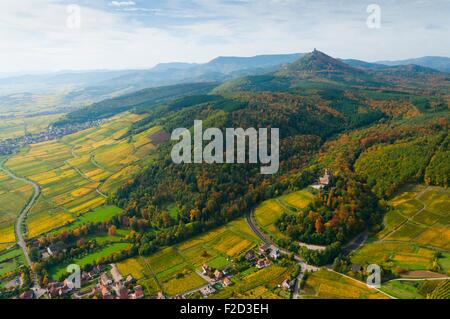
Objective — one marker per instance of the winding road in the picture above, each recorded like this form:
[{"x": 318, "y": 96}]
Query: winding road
[
  {"x": 21, "y": 219},
  {"x": 350, "y": 247}
]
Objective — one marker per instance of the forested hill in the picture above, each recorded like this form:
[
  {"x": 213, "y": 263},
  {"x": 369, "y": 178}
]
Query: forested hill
[
  {"x": 317, "y": 120},
  {"x": 314, "y": 73},
  {"x": 141, "y": 99}
]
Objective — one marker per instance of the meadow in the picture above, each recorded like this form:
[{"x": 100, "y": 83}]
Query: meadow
[
  {"x": 414, "y": 289},
  {"x": 11, "y": 260},
  {"x": 173, "y": 270},
  {"x": 415, "y": 230},
  {"x": 267, "y": 213},
  {"x": 59, "y": 271},
  {"x": 18, "y": 126},
  {"x": 76, "y": 173}
]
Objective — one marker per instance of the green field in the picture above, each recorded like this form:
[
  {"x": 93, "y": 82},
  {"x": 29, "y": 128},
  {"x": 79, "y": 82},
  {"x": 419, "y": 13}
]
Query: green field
[
  {"x": 17, "y": 126},
  {"x": 13, "y": 197},
  {"x": 325, "y": 284},
  {"x": 60, "y": 270},
  {"x": 411, "y": 289},
  {"x": 416, "y": 228},
  {"x": 98, "y": 215},
  {"x": 270, "y": 211}
]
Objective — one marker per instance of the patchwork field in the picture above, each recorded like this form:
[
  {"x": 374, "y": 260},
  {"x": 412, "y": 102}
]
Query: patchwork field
[
  {"x": 174, "y": 269},
  {"x": 325, "y": 284},
  {"x": 421, "y": 215},
  {"x": 76, "y": 172},
  {"x": 10, "y": 260},
  {"x": 258, "y": 284},
  {"x": 416, "y": 234},
  {"x": 269, "y": 211}
]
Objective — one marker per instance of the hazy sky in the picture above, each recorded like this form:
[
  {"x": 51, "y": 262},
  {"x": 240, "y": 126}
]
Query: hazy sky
[{"x": 43, "y": 34}]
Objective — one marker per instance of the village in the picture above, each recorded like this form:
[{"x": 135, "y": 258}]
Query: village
[
  {"x": 106, "y": 282},
  {"x": 11, "y": 145}
]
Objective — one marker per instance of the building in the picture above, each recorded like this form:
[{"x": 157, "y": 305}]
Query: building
[
  {"x": 323, "y": 181},
  {"x": 207, "y": 291},
  {"x": 161, "y": 295},
  {"x": 262, "y": 263},
  {"x": 264, "y": 248},
  {"x": 122, "y": 293},
  {"x": 356, "y": 268},
  {"x": 27, "y": 295},
  {"x": 227, "y": 282},
  {"x": 205, "y": 269},
  {"x": 218, "y": 274},
  {"x": 128, "y": 280},
  {"x": 326, "y": 179},
  {"x": 250, "y": 255},
  {"x": 104, "y": 291}
]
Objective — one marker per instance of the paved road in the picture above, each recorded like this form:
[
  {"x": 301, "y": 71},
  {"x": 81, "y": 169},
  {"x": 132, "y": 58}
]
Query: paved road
[
  {"x": 350, "y": 247},
  {"x": 21, "y": 219},
  {"x": 74, "y": 155}
]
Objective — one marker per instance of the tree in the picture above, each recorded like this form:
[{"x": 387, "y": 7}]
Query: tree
[{"x": 319, "y": 225}]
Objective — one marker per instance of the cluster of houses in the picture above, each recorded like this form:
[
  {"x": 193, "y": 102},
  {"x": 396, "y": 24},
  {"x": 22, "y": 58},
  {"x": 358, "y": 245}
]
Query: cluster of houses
[
  {"x": 263, "y": 259},
  {"x": 9, "y": 146},
  {"x": 217, "y": 276},
  {"x": 61, "y": 289},
  {"x": 116, "y": 287}
]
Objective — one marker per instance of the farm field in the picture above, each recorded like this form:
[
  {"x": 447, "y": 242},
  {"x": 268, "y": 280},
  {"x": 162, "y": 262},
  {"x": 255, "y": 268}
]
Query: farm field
[
  {"x": 258, "y": 284},
  {"x": 13, "y": 198},
  {"x": 105, "y": 251},
  {"x": 269, "y": 211},
  {"x": 100, "y": 214},
  {"x": 325, "y": 284},
  {"x": 416, "y": 229},
  {"x": 76, "y": 172},
  {"x": 414, "y": 289},
  {"x": 174, "y": 269}
]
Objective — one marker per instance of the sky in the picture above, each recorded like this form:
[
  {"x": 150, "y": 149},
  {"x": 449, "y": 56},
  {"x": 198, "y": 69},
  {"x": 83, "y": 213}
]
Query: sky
[{"x": 51, "y": 35}]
